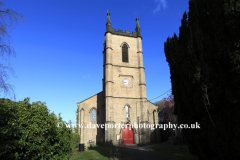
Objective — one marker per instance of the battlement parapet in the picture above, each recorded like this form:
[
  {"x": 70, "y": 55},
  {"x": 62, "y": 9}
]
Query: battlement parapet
[{"x": 120, "y": 32}]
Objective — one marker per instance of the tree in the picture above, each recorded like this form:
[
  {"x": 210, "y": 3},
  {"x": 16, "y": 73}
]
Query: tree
[
  {"x": 204, "y": 64},
  {"x": 76, "y": 128},
  {"x": 168, "y": 109},
  {"x": 167, "y": 114},
  {"x": 8, "y": 19},
  {"x": 159, "y": 104},
  {"x": 30, "y": 131}
]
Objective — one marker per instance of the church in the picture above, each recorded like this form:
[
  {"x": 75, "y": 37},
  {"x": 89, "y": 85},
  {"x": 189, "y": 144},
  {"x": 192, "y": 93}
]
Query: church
[{"x": 123, "y": 99}]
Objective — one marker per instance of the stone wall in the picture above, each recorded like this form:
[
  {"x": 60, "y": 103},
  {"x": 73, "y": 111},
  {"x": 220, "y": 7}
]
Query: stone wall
[{"x": 85, "y": 107}]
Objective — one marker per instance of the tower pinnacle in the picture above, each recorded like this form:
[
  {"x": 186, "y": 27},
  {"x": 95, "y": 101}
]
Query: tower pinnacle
[
  {"x": 138, "y": 28},
  {"x": 108, "y": 18},
  {"x": 108, "y": 24}
]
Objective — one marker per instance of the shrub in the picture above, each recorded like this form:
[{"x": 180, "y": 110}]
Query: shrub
[
  {"x": 75, "y": 140},
  {"x": 29, "y": 131}
]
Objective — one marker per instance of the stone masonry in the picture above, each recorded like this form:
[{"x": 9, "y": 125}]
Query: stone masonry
[{"x": 111, "y": 102}]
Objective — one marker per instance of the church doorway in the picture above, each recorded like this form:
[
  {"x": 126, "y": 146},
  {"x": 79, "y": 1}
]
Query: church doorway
[{"x": 127, "y": 135}]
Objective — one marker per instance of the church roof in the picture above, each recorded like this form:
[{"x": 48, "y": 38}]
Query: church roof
[{"x": 89, "y": 97}]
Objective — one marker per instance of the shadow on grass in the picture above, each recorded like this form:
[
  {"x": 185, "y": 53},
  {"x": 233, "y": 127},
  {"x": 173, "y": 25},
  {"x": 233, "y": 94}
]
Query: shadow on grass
[
  {"x": 172, "y": 152},
  {"x": 108, "y": 151},
  {"x": 103, "y": 150}
]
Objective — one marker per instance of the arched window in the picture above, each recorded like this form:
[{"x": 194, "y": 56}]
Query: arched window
[
  {"x": 93, "y": 115},
  {"x": 124, "y": 53},
  {"x": 127, "y": 111}
]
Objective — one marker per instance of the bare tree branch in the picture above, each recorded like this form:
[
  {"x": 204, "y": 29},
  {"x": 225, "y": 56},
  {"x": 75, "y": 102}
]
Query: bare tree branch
[
  {"x": 206, "y": 102},
  {"x": 8, "y": 19}
]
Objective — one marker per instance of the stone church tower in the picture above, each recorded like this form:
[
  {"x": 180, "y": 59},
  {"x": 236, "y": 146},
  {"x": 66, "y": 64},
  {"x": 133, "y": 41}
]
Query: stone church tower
[{"x": 122, "y": 107}]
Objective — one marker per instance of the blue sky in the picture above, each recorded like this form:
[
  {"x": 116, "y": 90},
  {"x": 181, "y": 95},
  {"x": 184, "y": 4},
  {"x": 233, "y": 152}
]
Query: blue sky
[{"x": 59, "y": 48}]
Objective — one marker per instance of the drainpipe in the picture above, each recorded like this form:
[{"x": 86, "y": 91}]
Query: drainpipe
[{"x": 138, "y": 132}]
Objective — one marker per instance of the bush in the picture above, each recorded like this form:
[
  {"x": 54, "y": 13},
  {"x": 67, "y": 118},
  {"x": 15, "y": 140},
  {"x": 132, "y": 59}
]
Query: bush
[
  {"x": 29, "y": 131},
  {"x": 75, "y": 140}
]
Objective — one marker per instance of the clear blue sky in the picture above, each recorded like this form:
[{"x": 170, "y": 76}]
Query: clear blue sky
[{"x": 59, "y": 48}]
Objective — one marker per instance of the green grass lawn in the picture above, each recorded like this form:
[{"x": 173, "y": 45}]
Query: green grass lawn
[
  {"x": 172, "y": 152},
  {"x": 100, "y": 153},
  {"x": 164, "y": 150}
]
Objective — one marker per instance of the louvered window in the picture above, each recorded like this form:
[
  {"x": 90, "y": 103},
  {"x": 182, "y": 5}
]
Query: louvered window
[{"x": 124, "y": 53}]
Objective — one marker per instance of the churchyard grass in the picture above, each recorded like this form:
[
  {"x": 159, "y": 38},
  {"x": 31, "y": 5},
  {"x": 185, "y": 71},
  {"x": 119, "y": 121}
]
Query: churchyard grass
[
  {"x": 101, "y": 153},
  {"x": 172, "y": 152}
]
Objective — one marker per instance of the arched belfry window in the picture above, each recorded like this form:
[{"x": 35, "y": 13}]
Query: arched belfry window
[
  {"x": 124, "y": 53},
  {"x": 93, "y": 115},
  {"x": 127, "y": 111}
]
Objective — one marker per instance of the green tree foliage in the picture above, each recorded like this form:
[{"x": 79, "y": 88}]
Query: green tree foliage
[
  {"x": 29, "y": 131},
  {"x": 204, "y": 64},
  {"x": 75, "y": 140},
  {"x": 76, "y": 128}
]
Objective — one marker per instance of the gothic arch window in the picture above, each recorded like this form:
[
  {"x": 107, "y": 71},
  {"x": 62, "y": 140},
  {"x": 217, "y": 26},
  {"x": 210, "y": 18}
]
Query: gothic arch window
[
  {"x": 93, "y": 115},
  {"x": 124, "y": 53},
  {"x": 127, "y": 111}
]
